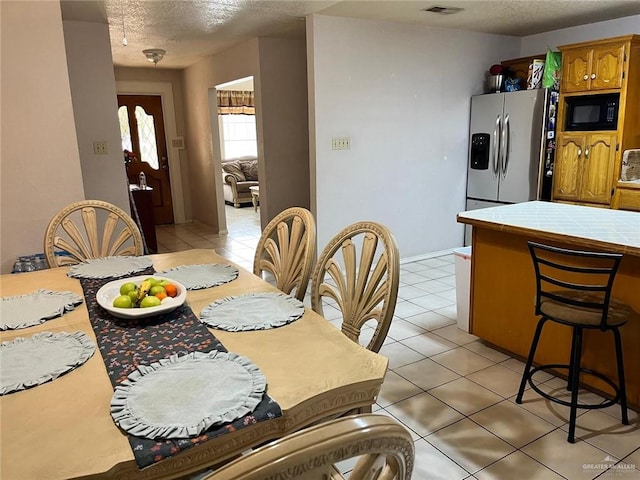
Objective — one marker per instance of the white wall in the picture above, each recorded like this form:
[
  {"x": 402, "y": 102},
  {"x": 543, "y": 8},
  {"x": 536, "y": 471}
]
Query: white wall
[
  {"x": 534, "y": 44},
  {"x": 39, "y": 157},
  {"x": 95, "y": 107},
  {"x": 402, "y": 93}
]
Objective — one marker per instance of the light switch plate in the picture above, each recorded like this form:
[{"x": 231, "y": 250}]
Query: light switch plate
[{"x": 341, "y": 143}]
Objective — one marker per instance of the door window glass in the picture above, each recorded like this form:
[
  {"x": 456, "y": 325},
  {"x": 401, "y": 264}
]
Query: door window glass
[
  {"x": 125, "y": 133},
  {"x": 147, "y": 136}
]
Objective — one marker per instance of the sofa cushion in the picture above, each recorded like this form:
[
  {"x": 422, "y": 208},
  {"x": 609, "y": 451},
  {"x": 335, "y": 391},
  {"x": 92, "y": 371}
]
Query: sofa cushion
[
  {"x": 250, "y": 169},
  {"x": 235, "y": 169}
]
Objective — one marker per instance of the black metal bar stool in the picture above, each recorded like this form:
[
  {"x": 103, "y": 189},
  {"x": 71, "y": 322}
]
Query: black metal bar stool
[{"x": 573, "y": 288}]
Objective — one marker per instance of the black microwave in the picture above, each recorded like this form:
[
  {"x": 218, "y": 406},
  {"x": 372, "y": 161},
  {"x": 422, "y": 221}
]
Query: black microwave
[{"x": 592, "y": 112}]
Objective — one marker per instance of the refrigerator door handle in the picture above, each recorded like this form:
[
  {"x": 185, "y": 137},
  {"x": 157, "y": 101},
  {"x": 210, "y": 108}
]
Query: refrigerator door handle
[
  {"x": 497, "y": 132},
  {"x": 506, "y": 140}
]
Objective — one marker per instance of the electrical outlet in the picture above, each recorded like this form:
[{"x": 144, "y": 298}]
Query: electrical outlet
[
  {"x": 100, "y": 148},
  {"x": 341, "y": 143}
]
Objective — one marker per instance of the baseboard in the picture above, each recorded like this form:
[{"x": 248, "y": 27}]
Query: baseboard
[{"x": 425, "y": 256}]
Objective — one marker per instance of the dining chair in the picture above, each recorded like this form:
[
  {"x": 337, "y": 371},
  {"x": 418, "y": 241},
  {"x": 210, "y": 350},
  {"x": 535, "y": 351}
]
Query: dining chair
[
  {"x": 383, "y": 447},
  {"x": 286, "y": 249},
  {"x": 90, "y": 229},
  {"x": 362, "y": 289}
]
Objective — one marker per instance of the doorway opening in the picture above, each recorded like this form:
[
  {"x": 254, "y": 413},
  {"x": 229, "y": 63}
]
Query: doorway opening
[{"x": 237, "y": 134}]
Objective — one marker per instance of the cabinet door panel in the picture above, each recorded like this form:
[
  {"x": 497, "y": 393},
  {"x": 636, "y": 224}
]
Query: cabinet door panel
[
  {"x": 566, "y": 170},
  {"x": 607, "y": 67},
  {"x": 576, "y": 66},
  {"x": 597, "y": 176}
]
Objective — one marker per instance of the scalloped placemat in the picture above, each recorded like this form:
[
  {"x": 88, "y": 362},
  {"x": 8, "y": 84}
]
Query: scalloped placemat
[
  {"x": 22, "y": 311},
  {"x": 196, "y": 277},
  {"x": 43, "y": 357},
  {"x": 116, "y": 266},
  {"x": 182, "y": 396},
  {"x": 252, "y": 311}
]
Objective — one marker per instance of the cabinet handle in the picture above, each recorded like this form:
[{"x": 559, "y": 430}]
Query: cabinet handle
[
  {"x": 586, "y": 77},
  {"x": 586, "y": 152},
  {"x": 579, "y": 152},
  {"x": 593, "y": 76}
]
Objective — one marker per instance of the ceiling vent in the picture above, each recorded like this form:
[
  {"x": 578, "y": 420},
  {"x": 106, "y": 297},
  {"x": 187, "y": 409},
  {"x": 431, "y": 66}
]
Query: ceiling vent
[{"x": 443, "y": 10}]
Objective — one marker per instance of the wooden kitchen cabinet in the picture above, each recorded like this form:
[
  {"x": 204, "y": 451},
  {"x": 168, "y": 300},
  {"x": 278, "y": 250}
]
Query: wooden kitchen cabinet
[
  {"x": 584, "y": 167},
  {"x": 597, "y": 175},
  {"x": 588, "y": 163},
  {"x": 599, "y": 67},
  {"x": 566, "y": 172}
]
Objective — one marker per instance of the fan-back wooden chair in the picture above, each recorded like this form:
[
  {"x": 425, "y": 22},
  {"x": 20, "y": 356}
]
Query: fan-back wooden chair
[
  {"x": 287, "y": 249},
  {"x": 90, "y": 229},
  {"x": 364, "y": 289},
  {"x": 384, "y": 448}
]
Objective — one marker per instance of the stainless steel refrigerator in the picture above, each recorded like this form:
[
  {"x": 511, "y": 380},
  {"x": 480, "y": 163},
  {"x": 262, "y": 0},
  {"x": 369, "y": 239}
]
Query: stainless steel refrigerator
[{"x": 507, "y": 137}]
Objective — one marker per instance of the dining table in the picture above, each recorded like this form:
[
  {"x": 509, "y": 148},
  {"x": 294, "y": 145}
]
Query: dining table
[{"x": 63, "y": 429}]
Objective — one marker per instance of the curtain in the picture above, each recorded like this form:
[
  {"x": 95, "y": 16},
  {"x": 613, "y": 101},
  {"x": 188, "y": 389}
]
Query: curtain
[{"x": 235, "y": 102}]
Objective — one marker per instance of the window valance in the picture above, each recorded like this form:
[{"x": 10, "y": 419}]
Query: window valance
[{"x": 236, "y": 102}]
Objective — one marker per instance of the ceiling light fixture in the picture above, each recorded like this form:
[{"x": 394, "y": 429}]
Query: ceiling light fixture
[
  {"x": 154, "y": 55},
  {"x": 442, "y": 10}
]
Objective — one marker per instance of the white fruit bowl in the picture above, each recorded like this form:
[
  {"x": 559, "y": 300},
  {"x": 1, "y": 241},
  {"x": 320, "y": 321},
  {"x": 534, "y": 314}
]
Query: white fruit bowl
[{"x": 111, "y": 290}]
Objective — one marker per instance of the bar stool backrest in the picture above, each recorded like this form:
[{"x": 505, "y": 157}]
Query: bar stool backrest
[{"x": 575, "y": 278}]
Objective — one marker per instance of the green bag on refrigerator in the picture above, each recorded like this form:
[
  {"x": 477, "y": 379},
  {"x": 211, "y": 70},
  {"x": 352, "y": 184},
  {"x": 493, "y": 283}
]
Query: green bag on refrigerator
[{"x": 552, "y": 70}]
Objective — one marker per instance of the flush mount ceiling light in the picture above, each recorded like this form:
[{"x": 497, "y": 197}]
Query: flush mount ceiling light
[
  {"x": 154, "y": 55},
  {"x": 442, "y": 10}
]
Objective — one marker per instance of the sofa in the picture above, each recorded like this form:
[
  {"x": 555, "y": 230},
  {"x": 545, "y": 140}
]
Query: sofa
[{"x": 238, "y": 174}]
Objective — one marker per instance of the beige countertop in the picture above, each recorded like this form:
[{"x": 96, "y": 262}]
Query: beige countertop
[{"x": 615, "y": 230}]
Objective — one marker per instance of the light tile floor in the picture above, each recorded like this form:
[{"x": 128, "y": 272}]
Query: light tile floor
[{"x": 455, "y": 394}]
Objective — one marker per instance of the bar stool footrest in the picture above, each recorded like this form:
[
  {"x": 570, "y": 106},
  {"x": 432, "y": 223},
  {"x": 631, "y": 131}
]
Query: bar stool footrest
[{"x": 588, "y": 406}]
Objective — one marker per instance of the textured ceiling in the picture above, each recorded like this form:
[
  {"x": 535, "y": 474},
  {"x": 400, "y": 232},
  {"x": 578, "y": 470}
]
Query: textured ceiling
[{"x": 192, "y": 30}]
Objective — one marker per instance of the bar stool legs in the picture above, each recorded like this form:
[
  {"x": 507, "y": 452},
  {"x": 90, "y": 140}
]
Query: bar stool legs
[
  {"x": 621, "y": 385},
  {"x": 573, "y": 381}
]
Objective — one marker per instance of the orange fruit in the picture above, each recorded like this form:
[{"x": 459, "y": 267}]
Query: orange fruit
[
  {"x": 161, "y": 295},
  {"x": 171, "y": 290}
]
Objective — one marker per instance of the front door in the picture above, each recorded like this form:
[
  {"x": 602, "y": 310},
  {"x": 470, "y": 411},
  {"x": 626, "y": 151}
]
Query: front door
[{"x": 142, "y": 131}]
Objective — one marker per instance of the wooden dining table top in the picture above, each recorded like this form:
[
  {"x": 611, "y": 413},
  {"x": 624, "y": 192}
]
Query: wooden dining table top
[{"x": 63, "y": 429}]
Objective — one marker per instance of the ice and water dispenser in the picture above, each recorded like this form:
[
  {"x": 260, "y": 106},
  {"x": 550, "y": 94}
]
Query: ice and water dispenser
[{"x": 480, "y": 151}]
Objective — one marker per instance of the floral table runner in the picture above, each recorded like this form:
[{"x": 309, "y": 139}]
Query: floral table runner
[{"x": 127, "y": 344}]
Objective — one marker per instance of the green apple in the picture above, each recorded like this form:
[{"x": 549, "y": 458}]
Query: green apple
[
  {"x": 156, "y": 289},
  {"x": 125, "y": 288},
  {"x": 133, "y": 294},
  {"x": 149, "y": 301},
  {"x": 123, "y": 301}
]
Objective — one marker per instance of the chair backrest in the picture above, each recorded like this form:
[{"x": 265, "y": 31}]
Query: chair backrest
[
  {"x": 287, "y": 249},
  {"x": 363, "y": 289},
  {"x": 384, "y": 446},
  {"x": 575, "y": 278},
  {"x": 90, "y": 229}
]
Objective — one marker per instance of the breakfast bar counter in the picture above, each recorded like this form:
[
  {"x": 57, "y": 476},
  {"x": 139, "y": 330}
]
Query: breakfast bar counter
[{"x": 503, "y": 280}]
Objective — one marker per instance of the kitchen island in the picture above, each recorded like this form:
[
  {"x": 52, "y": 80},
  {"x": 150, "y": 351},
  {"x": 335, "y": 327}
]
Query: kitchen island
[{"x": 503, "y": 281}]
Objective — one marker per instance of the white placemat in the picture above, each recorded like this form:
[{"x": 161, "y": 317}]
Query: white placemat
[
  {"x": 27, "y": 362},
  {"x": 195, "y": 277},
  {"x": 182, "y": 396},
  {"x": 22, "y": 311},
  {"x": 252, "y": 311},
  {"x": 105, "y": 267}
]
